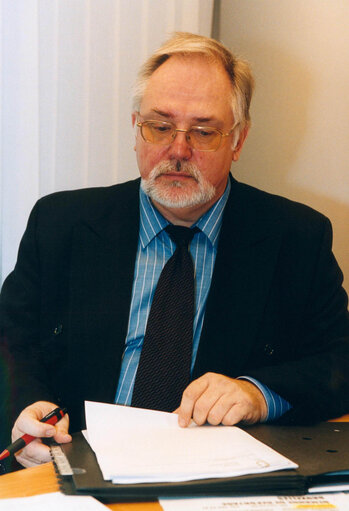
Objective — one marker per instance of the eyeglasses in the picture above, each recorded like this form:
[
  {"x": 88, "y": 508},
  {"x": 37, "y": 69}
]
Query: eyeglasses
[{"x": 201, "y": 138}]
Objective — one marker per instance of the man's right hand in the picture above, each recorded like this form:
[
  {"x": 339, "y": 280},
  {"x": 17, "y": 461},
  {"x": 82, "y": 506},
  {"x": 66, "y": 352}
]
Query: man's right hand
[{"x": 28, "y": 422}]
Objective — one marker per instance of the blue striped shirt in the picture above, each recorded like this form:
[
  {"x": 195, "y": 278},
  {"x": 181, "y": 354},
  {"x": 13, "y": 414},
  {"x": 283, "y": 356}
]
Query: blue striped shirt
[{"x": 154, "y": 249}]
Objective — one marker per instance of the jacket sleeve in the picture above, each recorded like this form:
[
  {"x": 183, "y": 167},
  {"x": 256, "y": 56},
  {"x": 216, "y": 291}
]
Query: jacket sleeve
[
  {"x": 316, "y": 380},
  {"x": 22, "y": 377}
]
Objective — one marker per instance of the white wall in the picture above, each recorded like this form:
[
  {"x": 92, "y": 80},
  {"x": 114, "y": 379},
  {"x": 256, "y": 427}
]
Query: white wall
[{"x": 299, "y": 143}]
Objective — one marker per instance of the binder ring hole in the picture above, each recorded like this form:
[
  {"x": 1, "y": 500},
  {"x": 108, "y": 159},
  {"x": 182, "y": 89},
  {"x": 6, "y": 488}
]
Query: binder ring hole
[
  {"x": 331, "y": 450},
  {"x": 307, "y": 438}
]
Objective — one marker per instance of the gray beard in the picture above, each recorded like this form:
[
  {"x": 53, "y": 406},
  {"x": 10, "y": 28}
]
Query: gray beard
[{"x": 164, "y": 194}]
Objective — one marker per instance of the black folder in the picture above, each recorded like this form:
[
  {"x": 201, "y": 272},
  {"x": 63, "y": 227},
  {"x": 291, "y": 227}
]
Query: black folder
[{"x": 321, "y": 451}]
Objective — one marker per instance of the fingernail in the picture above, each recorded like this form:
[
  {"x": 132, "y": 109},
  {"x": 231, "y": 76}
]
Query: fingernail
[
  {"x": 50, "y": 432},
  {"x": 182, "y": 422}
]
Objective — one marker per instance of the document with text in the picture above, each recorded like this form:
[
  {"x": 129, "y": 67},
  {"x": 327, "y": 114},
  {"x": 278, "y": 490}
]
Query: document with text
[
  {"x": 338, "y": 501},
  {"x": 134, "y": 445}
]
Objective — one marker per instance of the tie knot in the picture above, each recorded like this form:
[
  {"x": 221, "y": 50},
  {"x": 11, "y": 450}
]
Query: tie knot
[{"x": 180, "y": 235}]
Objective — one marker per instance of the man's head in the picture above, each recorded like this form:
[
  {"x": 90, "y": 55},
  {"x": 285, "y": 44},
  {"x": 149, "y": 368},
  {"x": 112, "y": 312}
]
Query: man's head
[{"x": 190, "y": 83}]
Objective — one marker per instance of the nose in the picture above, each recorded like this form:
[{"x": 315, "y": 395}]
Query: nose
[{"x": 180, "y": 149}]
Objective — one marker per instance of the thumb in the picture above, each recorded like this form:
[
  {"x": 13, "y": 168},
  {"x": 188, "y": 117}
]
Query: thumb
[{"x": 62, "y": 427}]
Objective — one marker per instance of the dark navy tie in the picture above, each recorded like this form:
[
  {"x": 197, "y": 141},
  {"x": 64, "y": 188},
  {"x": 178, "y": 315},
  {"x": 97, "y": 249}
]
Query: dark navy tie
[{"x": 164, "y": 366}]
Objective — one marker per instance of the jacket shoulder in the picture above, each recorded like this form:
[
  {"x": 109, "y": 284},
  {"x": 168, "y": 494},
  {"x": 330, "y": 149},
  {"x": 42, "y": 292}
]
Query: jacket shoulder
[
  {"x": 83, "y": 201},
  {"x": 286, "y": 213},
  {"x": 87, "y": 204}
]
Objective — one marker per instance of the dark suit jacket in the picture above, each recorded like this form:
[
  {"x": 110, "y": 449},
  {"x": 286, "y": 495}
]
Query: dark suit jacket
[{"x": 276, "y": 309}]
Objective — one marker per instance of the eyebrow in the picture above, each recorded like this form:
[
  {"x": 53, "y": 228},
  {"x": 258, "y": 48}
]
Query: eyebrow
[
  {"x": 162, "y": 113},
  {"x": 195, "y": 119}
]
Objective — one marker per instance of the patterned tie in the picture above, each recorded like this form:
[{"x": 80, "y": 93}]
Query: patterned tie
[{"x": 164, "y": 366}]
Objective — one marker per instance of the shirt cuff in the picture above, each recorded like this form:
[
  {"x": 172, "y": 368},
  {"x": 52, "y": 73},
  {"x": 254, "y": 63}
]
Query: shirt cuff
[{"x": 276, "y": 405}]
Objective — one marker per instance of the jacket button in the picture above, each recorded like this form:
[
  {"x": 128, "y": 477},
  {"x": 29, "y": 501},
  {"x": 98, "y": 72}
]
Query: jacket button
[
  {"x": 268, "y": 350},
  {"x": 58, "y": 330}
]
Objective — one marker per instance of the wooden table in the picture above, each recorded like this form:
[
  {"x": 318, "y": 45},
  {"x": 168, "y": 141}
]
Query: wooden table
[{"x": 42, "y": 479}]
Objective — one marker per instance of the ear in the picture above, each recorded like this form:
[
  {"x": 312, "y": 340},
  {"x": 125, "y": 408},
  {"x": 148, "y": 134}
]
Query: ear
[
  {"x": 238, "y": 148},
  {"x": 134, "y": 118}
]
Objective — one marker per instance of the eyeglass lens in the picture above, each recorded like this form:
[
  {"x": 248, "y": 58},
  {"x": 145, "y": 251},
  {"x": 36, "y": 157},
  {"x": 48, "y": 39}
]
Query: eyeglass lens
[{"x": 202, "y": 138}]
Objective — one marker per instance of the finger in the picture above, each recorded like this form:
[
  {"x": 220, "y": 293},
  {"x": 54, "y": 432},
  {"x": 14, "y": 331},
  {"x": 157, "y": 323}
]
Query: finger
[
  {"x": 205, "y": 404},
  {"x": 26, "y": 462},
  {"x": 190, "y": 395},
  {"x": 220, "y": 409},
  {"x": 37, "y": 451},
  {"x": 29, "y": 421},
  {"x": 26, "y": 424},
  {"x": 62, "y": 436},
  {"x": 239, "y": 413},
  {"x": 30, "y": 462},
  {"x": 34, "y": 453}
]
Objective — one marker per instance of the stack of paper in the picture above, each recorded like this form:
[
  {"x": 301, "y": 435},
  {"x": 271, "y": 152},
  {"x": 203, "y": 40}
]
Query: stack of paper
[{"x": 134, "y": 445}]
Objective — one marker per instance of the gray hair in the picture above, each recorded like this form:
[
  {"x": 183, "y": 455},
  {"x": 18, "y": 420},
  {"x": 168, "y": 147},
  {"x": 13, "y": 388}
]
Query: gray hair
[{"x": 186, "y": 44}]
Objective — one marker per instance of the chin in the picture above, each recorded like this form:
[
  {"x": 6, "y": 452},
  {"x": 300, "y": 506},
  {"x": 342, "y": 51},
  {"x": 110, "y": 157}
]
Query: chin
[{"x": 178, "y": 195}]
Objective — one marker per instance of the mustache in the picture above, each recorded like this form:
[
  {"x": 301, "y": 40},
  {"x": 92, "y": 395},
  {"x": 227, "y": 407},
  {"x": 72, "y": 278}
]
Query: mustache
[{"x": 170, "y": 167}]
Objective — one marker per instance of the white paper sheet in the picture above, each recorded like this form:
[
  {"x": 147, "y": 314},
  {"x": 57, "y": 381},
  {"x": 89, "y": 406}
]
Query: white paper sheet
[
  {"x": 335, "y": 487},
  {"x": 53, "y": 502},
  {"x": 334, "y": 502},
  {"x": 133, "y": 445}
]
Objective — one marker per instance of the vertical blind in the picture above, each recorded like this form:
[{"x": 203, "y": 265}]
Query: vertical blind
[{"x": 67, "y": 69}]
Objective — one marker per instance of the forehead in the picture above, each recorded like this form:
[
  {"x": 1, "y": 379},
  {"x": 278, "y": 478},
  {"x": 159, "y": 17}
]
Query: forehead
[{"x": 189, "y": 86}]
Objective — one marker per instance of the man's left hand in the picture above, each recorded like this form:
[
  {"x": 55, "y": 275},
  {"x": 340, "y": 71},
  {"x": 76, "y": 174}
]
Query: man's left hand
[{"x": 217, "y": 399}]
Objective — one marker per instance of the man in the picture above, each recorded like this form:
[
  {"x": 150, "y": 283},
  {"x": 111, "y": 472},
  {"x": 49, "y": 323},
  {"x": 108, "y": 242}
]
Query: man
[{"x": 271, "y": 327}]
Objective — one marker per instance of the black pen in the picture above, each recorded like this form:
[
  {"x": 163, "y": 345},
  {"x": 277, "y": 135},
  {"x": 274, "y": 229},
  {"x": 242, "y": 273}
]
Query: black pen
[{"x": 51, "y": 418}]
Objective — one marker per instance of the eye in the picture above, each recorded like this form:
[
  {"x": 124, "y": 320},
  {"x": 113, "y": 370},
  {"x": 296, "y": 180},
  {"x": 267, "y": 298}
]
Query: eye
[
  {"x": 204, "y": 132},
  {"x": 160, "y": 128}
]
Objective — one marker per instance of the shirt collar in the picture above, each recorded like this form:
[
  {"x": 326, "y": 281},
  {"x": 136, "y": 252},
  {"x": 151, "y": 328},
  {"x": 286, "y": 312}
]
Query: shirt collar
[
  {"x": 210, "y": 222},
  {"x": 152, "y": 222}
]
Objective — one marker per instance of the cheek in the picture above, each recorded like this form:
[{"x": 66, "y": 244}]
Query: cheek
[
  {"x": 148, "y": 156},
  {"x": 206, "y": 164},
  {"x": 214, "y": 169}
]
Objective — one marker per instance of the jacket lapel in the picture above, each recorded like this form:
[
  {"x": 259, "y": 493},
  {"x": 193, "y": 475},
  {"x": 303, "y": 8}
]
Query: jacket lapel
[
  {"x": 247, "y": 251},
  {"x": 103, "y": 257}
]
